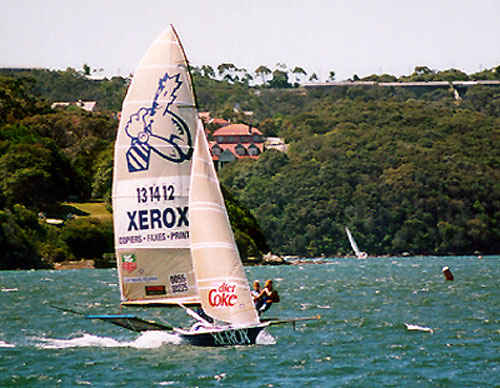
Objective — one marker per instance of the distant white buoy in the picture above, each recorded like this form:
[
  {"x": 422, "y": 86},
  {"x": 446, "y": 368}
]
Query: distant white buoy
[{"x": 447, "y": 274}]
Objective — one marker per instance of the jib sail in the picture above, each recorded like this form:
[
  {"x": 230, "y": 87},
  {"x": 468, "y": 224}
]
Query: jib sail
[{"x": 222, "y": 283}]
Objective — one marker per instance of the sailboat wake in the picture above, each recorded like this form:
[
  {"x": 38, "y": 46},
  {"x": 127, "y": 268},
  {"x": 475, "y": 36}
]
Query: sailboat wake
[
  {"x": 155, "y": 339},
  {"x": 264, "y": 338},
  {"x": 147, "y": 340}
]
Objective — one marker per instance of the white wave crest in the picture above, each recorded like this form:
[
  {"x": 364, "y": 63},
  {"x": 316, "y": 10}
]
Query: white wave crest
[
  {"x": 155, "y": 339},
  {"x": 9, "y": 289},
  {"x": 147, "y": 340},
  {"x": 412, "y": 327},
  {"x": 6, "y": 345},
  {"x": 264, "y": 338}
]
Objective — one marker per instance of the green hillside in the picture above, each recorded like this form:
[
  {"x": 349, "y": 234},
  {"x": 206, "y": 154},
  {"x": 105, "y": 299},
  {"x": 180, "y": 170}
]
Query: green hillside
[
  {"x": 403, "y": 175},
  {"x": 56, "y": 171},
  {"x": 406, "y": 170}
]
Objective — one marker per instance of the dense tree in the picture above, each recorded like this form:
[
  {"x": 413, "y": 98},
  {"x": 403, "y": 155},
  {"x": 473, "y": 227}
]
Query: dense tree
[
  {"x": 208, "y": 71},
  {"x": 88, "y": 238},
  {"x": 299, "y": 73},
  {"x": 263, "y": 72},
  {"x": 81, "y": 137},
  {"x": 69, "y": 85},
  {"x": 279, "y": 80},
  {"x": 379, "y": 78},
  {"x": 17, "y": 250},
  {"x": 483, "y": 99},
  {"x": 103, "y": 175},
  {"x": 313, "y": 77},
  {"x": 16, "y": 102},
  {"x": 32, "y": 174}
]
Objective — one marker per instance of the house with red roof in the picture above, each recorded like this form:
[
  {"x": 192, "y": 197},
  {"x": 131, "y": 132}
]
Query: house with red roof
[
  {"x": 218, "y": 122},
  {"x": 236, "y": 141},
  {"x": 204, "y": 116},
  {"x": 207, "y": 119}
]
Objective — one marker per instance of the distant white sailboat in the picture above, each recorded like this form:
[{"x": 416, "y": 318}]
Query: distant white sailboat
[{"x": 359, "y": 254}]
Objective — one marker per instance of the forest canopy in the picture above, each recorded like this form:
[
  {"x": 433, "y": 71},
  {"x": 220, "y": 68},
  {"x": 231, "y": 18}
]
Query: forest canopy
[
  {"x": 54, "y": 155},
  {"x": 405, "y": 170},
  {"x": 404, "y": 176}
]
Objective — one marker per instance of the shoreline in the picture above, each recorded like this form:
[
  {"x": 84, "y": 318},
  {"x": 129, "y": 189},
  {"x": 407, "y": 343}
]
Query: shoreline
[
  {"x": 90, "y": 264},
  {"x": 80, "y": 264}
]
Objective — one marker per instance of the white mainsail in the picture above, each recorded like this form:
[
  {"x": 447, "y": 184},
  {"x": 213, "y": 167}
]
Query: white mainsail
[
  {"x": 153, "y": 158},
  {"x": 354, "y": 246},
  {"x": 222, "y": 283}
]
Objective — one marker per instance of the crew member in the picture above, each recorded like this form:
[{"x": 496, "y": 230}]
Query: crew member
[
  {"x": 255, "y": 295},
  {"x": 268, "y": 296}
]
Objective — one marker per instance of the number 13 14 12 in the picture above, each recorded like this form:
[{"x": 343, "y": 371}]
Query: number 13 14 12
[{"x": 155, "y": 193}]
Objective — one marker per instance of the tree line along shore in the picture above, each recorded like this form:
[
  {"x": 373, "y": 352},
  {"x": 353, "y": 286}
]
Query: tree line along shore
[{"x": 407, "y": 170}]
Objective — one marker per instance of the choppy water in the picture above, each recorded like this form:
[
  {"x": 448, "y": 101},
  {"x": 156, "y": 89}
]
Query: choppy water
[{"x": 361, "y": 340}]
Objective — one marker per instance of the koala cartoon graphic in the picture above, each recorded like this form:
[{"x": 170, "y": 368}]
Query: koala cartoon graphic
[{"x": 175, "y": 147}]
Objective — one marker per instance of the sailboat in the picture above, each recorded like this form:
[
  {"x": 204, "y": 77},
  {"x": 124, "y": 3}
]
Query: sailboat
[
  {"x": 173, "y": 240},
  {"x": 359, "y": 254}
]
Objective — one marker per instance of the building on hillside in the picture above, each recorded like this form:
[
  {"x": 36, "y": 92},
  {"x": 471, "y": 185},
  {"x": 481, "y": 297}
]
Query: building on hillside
[
  {"x": 236, "y": 141},
  {"x": 218, "y": 122},
  {"x": 276, "y": 143},
  {"x": 8, "y": 71},
  {"x": 208, "y": 120},
  {"x": 205, "y": 117},
  {"x": 96, "y": 75},
  {"x": 459, "y": 88},
  {"x": 89, "y": 106}
]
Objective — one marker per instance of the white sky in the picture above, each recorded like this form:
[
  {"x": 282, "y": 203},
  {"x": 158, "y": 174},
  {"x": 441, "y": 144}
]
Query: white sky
[{"x": 348, "y": 36}]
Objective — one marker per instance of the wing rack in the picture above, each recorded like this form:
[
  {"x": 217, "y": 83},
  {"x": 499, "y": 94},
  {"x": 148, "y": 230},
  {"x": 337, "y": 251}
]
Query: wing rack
[{"x": 131, "y": 322}]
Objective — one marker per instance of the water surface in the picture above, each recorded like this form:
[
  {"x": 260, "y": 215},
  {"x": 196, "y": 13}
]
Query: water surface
[{"x": 360, "y": 341}]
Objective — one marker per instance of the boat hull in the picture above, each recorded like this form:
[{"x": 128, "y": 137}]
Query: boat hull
[{"x": 225, "y": 337}]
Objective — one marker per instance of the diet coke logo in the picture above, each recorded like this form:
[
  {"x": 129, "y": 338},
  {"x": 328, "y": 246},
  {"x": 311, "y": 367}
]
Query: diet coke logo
[{"x": 223, "y": 296}]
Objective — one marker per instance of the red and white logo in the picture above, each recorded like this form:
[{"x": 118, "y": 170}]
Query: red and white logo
[
  {"x": 223, "y": 296},
  {"x": 128, "y": 262}
]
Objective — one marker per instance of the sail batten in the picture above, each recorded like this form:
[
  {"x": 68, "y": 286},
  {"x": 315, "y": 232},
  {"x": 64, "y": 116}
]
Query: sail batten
[
  {"x": 207, "y": 209},
  {"x": 158, "y": 101},
  {"x": 214, "y": 244},
  {"x": 202, "y": 204},
  {"x": 243, "y": 283},
  {"x": 165, "y": 41}
]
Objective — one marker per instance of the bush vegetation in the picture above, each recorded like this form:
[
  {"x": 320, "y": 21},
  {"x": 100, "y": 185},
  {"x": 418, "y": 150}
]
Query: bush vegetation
[{"x": 406, "y": 170}]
